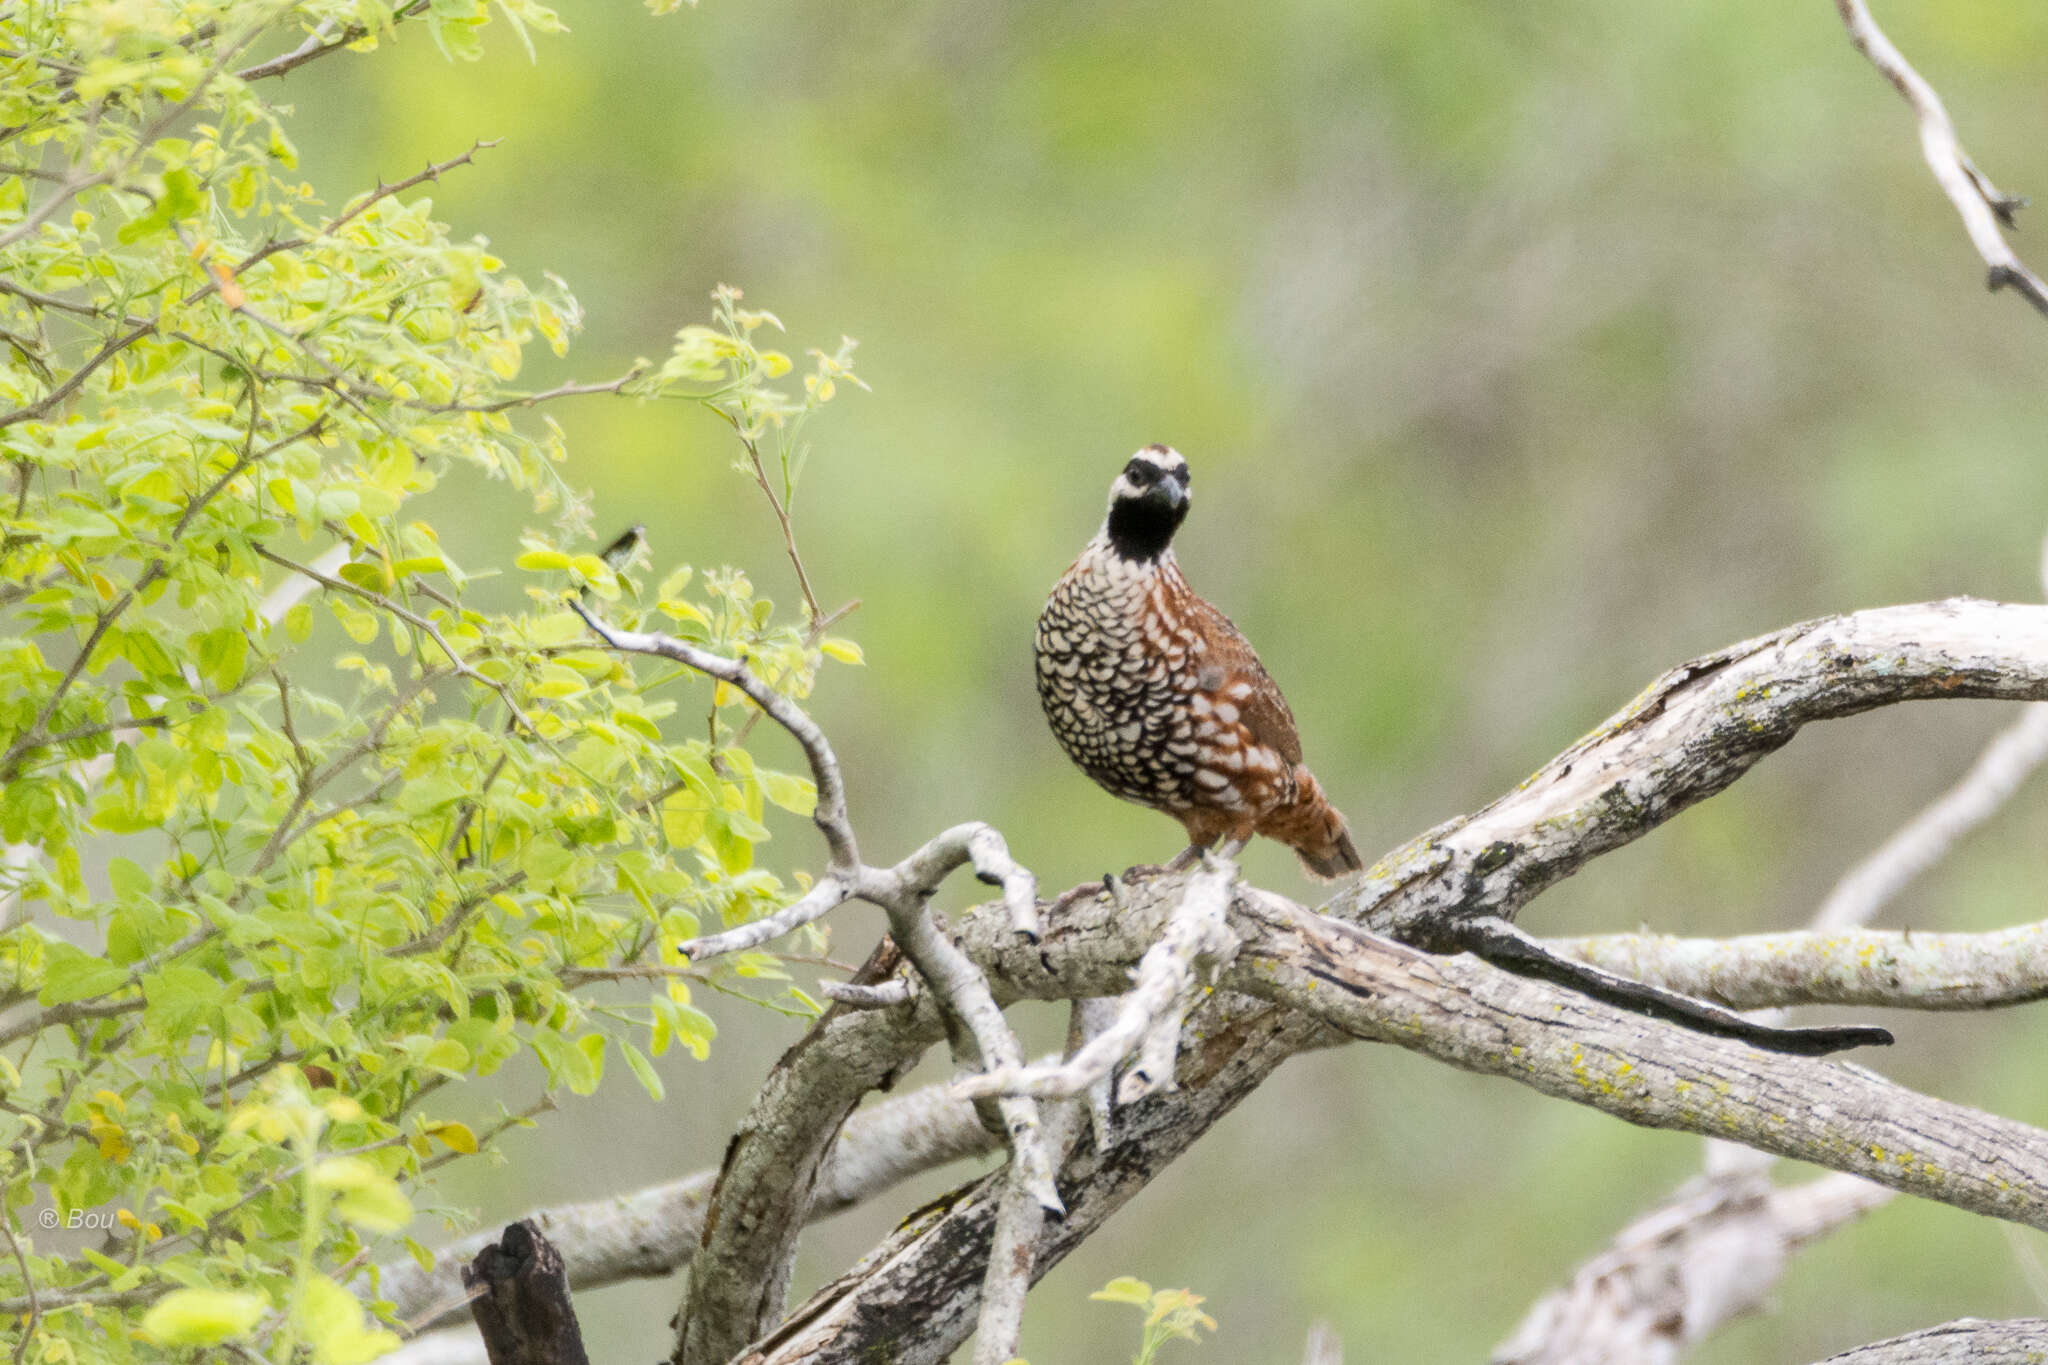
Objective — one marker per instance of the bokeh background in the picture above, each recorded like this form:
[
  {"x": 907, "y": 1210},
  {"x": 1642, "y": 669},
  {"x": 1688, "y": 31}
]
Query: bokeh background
[{"x": 1520, "y": 352}]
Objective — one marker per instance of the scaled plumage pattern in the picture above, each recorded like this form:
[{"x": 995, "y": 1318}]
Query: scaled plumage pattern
[{"x": 1160, "y": 699}]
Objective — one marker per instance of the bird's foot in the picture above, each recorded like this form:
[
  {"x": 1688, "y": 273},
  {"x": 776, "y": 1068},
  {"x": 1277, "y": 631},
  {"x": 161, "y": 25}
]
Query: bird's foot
[
  {"x": 1072, "y": 894},
  {"x": 1222, "y": 851}
]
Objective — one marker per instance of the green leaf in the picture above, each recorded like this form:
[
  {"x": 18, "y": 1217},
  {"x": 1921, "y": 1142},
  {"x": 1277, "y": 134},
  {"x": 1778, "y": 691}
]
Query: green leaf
[
  {"x": 222, "y": 653},
  {"x": 1125, "y": 1289},
  {"x": 128, "y": 879},
  {"x": 734, "y": 850},
  {"x": 490, "y": 1046},
  {"x": 446, "y": 1055},
  {"x": 691, "y": 1027},
  {"x": 846, "y": 651},
  {"x": 542, "y": 561},
  {"x": 106, "y": 1264},
  {"x": 591, "y": 1045},
  {"x": 797, "y": 795},
  {"x": 360, "y": 625},
  {"x": 546, "y": 862},
  {"x": 457, "y": 1137},
  {"x": 202, "y": 1317},
  {"x": 365, "y": 1196},
  {"x": 75, "y": 975},
  {"x": 578, "y": 1065},
  {"x": 642, "y": 1069},
  {"x": 336, "y": 1327},
  {"x": 367, "y": 574},
  {"x": 182, "y": 996},
  {"x": 423, "y": 795},
  {"x": 182, "y": 197}
]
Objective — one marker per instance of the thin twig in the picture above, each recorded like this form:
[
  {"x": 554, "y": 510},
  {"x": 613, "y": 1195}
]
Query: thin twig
[
  {"x": 36, "y": 411},
  {"x": 824, "y": 896},
  {"x": 411, "y": 618},
  {"x": 830, "y": 814},
  {"x": 35, "y": 1306},
  {"x": 1982, "y": 207},
  {"x": 322, "y": 41},
  {"x": 363, "y": 203},
  {"x": 803, "y": 580},
  {"x": 527, "y": 400}
]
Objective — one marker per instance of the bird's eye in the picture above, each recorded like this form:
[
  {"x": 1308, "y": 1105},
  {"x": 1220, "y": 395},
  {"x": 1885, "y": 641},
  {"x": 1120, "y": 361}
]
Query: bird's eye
[{"x": 1141, "y": 472}]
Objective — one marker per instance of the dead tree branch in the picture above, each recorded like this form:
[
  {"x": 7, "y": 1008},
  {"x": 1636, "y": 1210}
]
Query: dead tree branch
[
  {"x": 1673, "y": 1277},
  {"x": 741, "y": 1273},
  {"x": 1650, "y": 1073},
  {"x": 1695, "y": 731},
  {"x": 523, "y": 1309},
  {"x": 1984, "y": 210},
  {"x": 1155, "y": 1007},
  {"x": 1964, "y": 971},
  {"x": 1966, "y": 1341},
  {"x": 654, "y": 1232},
  {"x": 1717, "y": 1249},
  {"x": 913, "y": 1300},
  {"x": 1689, "y": 735}
]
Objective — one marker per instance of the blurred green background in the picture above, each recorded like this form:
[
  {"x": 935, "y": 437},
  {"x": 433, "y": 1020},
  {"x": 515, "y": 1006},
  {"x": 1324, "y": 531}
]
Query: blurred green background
[{"x": 1520, "y": 352}]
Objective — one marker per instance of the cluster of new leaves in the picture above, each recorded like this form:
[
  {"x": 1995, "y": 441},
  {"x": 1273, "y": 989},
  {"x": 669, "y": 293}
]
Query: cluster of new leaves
[
  {"x": 300, "y": 818},
  {"x": 1170, "y": 1314}
]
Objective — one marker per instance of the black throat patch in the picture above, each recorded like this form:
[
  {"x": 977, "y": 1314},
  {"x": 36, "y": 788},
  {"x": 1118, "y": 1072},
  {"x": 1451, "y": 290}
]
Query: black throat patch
[{"x": 1141, "y": 528}]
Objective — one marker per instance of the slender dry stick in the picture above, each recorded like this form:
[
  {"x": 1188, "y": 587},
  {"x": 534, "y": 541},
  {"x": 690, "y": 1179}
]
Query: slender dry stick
[
  {"x": 35, "y": 1306},
  {"x": 1982, "y": 207},
  {"x": 363, "y": 203}
]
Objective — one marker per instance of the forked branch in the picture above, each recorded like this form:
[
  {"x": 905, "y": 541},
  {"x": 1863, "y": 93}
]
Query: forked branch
[{"x": 739, "y": 1284}]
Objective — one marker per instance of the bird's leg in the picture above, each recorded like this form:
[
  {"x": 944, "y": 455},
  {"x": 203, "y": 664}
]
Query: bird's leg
[
  {"x": 1223, "y": 849},
  {"x": 1185, "y": 859}
]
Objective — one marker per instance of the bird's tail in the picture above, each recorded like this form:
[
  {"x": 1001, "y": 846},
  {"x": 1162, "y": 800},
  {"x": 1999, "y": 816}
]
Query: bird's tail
[{"x": 1311, "y": 826}]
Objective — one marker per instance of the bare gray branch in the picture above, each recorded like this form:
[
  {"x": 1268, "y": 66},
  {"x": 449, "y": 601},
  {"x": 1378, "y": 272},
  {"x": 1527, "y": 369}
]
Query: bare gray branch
[
  {"x": 1982, "y": 207},
  {"x": 1966, "y": 1341}
]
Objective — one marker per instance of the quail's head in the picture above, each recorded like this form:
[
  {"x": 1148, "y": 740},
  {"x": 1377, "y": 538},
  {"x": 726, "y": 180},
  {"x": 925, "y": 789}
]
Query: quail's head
[{"x": 1148, "y": 502}]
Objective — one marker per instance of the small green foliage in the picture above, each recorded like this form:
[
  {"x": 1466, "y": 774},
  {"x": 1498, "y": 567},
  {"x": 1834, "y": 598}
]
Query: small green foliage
[
  {"x": 1170, "y": 1314},
  {"x": 302, "y": 818},
  {"x": 202, "y": 1317}
]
